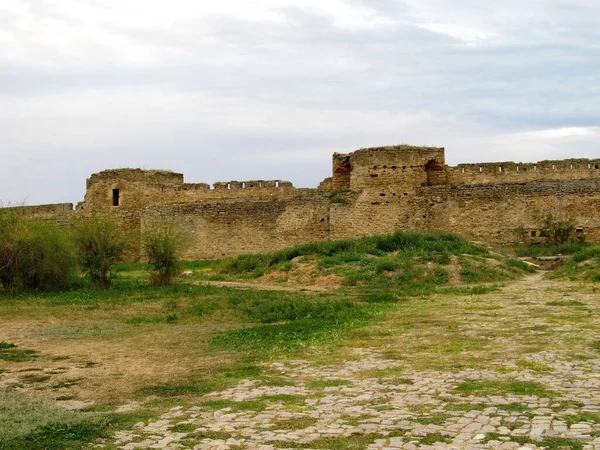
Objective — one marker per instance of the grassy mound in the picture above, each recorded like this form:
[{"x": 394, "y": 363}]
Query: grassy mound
[
  {"x": 584, "y": 265},
  {"x": 415, "y": 261}
]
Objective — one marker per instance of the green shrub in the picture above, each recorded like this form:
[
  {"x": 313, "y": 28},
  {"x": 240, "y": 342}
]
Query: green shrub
[
  {"x": 33, "y": 254},
  {"x": 163, "y": 243},
  {"x": 100, "y": 245},
  {"x": 557, "y": 230},
  {"x": 438, "y": 276}
]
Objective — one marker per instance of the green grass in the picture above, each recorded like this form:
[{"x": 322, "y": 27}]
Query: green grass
[
  {"x": 515, "y": 387},
  {"x": 199, "y": 385},
  {"x": 10, "y": 352},
  {"x": 247, "y": 405},
  {"x": 582, "y": 417},
  {"x": 409, "y": 263},
  {"x": 584, "y": 265},
  {"x": 27, "y": 424},
  {"x": 536, "y": 366},
  {"x": 354, "y": 442},
  {"x": 321, "y": 384},
  {"x": 551, "y": 250},
  {"x": 297, "y": 423},
  {"x": 549, "y": 443},
  {"x": 432, "y": 438}
]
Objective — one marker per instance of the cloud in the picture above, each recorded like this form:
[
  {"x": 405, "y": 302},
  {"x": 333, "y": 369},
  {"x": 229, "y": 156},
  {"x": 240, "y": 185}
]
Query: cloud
[{"x": 269, "y": 89}]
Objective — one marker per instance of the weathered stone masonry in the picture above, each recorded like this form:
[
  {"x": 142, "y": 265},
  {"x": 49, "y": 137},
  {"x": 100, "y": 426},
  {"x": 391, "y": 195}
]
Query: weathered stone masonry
[{"x": 373, "y": 190}]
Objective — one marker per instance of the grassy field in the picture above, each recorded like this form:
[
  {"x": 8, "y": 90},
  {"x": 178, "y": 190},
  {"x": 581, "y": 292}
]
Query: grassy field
[{"x": 78, "y": 364}]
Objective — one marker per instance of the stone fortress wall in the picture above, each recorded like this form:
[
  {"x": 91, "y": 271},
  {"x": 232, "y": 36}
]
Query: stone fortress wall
[{"x": 372, "y": 190}]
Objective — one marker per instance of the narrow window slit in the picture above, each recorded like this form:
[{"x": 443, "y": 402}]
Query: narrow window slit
[{"x": 116, "y": 197}]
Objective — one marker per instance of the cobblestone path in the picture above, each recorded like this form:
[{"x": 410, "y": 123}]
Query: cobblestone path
[{"x": 519, "y": 399}]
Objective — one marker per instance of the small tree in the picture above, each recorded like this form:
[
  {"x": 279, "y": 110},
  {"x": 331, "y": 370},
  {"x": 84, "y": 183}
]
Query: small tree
[
  {"x": 100, "y": 244},
  {"x": 33, "y": 254},
  {"x": 557, "y": 230},
  {"x": 163, "y": 243}
]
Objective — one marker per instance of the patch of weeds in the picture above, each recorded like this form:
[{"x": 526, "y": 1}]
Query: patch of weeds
[
  {"x": 290, "y": 336},
  {"x": 215, "y": 435},
  {"x": 465, "y": 407},
  {"x": 286, "y": 399},
  {"x": 27, "y": 424},
  {"x": 247, "y": 405},
  {"x": 400, "y": 381},
  {"x": 383, "y": 297},
  {"x": 533, "y": 365},
  {"x": 434, "y": 419},
  {"x": 393, "y": 355},
  {"x": 514, "y": 407},
  {"x": 278, "y": 382},
  {"x": 582, "y": 417},
  {"x": 566, "y": 303},
  {"x": 469, "y": 290},
  {"x": 517, "y": 263},
  {"x": 496, "y": 387},
  {"x": 355, "y": 420},
  {"x": 297, "y": 423},
  {"x": 66, "y": 384},
  {"x": 382, "y": 373},
  {"x": 595, "y": 345},
  {"x": 558, "y": 443},
  {"x": 198, "y": 385},
  {"x": 34, "y": 378},
  {"x": 320, "y": 384},
  {"x": 61, "y": 358},
  {"x": 9, "y": 352},
  {"x": 183, "y": 428},
  {"x": 151, "y": 318},
  {"x": 432, "y": 438},
  {"x": 549, "y": 443},
  {"x": 201, "y": 308},
  {"x": 354, "y": 442}
]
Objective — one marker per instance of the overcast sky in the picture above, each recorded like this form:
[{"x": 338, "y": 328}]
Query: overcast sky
[{"x": 269, "y": 89}]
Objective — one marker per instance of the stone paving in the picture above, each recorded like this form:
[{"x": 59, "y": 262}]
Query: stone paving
[{"x": 339, "y": 405}]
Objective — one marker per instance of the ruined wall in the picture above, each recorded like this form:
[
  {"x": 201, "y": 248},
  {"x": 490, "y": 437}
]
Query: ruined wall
[
  {"x": 372, "y": 190},
  {"x": 126, "y": 193},
  {"x": 222, "y": 228},
  {"x": 59, "y": 213},
  {"x": 511, "y": 172},
  {"x": 491, "y": 213},
  {"x": 386, "y": 180}
]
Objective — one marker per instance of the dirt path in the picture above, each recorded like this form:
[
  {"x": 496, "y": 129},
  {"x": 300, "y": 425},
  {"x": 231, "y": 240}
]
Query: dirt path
[{"x": 515, "y": 369}]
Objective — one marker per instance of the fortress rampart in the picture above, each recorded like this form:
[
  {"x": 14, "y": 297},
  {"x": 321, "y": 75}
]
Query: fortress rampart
[{"x": 373, "y": 190}]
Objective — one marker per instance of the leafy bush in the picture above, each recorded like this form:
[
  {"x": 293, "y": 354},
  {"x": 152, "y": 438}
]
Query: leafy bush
[
  {"x": 100, "y": 244},
  {"x": 33, "y": 254},
  {"x": 163, "y": 243},
  {"x": 557, "y": 230}
]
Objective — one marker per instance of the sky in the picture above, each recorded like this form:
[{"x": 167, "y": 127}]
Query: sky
[{"x": 270, "y": 89}]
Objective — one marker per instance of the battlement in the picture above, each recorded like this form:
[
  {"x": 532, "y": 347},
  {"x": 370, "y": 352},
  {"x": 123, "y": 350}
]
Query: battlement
[
  {"x": 139, "y": 175},
  {"x": 252, "y": 184},
  {"x": 512, "y": 172}
]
